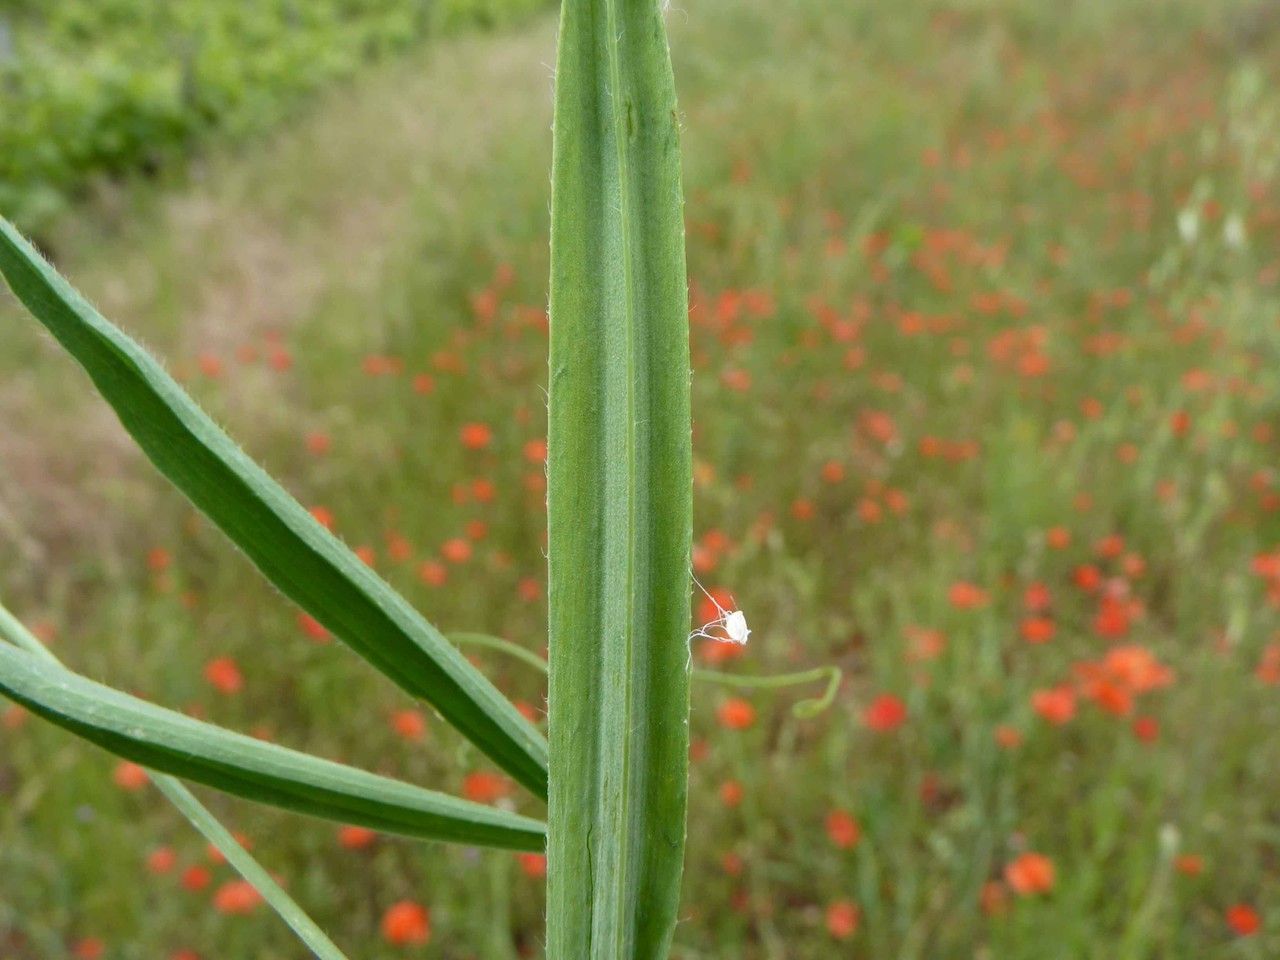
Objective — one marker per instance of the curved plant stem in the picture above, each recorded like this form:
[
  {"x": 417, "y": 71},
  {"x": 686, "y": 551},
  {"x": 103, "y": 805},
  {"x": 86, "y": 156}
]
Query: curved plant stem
[{"x": 805, "y": 709}]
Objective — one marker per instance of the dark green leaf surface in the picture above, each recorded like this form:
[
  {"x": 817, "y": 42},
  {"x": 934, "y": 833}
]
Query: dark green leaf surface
[
  {"x": 619, "y": 490},
  {"x": 173, "y": 743},
  {"x": 296, "y": 553}
]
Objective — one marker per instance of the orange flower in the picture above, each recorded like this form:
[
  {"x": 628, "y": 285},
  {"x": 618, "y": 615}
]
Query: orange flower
[
  {"x": 318, "y": 444},
  {"x": 994, "y": 898},
  {"x": 1010, "y": 738},
  {"x": 535, "y": 451},
  {"x": 1036, "y": 598},
  {"x": 129, "y": 776},
  {"x": 833, "y": 471},
  {"x": 1058, "y": 705},
  {"x": 843, "y": 830},
  {"x": 1058, "y": 538},
  {"x": 885, "y": 713},
  {"x": 406, "y": 924},
  {"x": 1112, "y": 620},
  {"x": 1189, "y": 864},
  {"x": 223, "y": 674},
  {"x": 1146, "y": 729},
  {"x": 1037, "y": 629},
  {"x": 161, "y": 860},
  {"x": 355, "y": 838},
  {"x": 1087, "y": 577},
  {"x": 484, "y": 787},
  {"x": 842, "y": 919},
  {"x": 312, "y": 628},
  {"x": 90, "y": 948},
  {"x": 409, "y": 724},
  {"x": 433, "y": 573},
  {"x": 475, "y": 436},
  {"x": 533, "y": 865},
  {"x": 731, "y": 793},
  {"x": 1243, "y": 919},
  {"x": 456, "y": 550},
  {"x": 966, "y": 596},
  {"x": 736, "y": 714},
  {"x": 1030, "y": 874},
  {"x": 236, "y": 898},
  {"x": 196, "y": 878}
]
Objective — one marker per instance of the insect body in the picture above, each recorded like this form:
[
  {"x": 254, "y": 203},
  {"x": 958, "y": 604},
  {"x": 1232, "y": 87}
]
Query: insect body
[{"x": 731, "y": 624}]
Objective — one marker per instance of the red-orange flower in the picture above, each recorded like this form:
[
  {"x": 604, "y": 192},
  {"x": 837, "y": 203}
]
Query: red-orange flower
[
  {"x": 1243, "y": 919},
  {"x": 1058, "y": 705},
  {"x": 355, "y": 838},
  {"x": 475, "y": 436},
  {"x": 129, "y": 776},
  {"x": 236, "y": 898},
  {"x": 842, "y": 919},
  {"x": 885, "y": 713},
  {"x": 223, "y": 674},
  {"x": 1037, "y": 629},
  {"x": 161, "y": 860},
  {"x": 409, "y": 724},
  {"x": 196, "y": 878},
  {"x": 1030, "y": 874},
  {"x": 966, "y": 596},
  {"x": 533, "y": 865},
  {"x": 843, "y": 830},
  {"x": 485, "y": 787},
  {"x": 736, "y": 714},
  {"x": 406, "y": 924}
]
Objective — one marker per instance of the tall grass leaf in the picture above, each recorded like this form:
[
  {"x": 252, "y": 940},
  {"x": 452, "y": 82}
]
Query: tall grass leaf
[
  {"x": 619, "y": 490},
  {"x": 176, "y": 744},
  {"x": 295, "y": 552}
]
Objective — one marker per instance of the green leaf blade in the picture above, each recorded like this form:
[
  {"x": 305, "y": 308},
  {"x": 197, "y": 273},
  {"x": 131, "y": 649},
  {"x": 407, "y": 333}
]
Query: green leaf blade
[
  {"x": 182, "y": 746},
  {"x": 295, "y": 552},
  {"x": 619, "y": 490}
]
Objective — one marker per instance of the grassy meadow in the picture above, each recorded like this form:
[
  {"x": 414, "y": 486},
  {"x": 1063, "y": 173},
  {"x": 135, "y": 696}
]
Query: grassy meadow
[{"x": 986, "y": 392}]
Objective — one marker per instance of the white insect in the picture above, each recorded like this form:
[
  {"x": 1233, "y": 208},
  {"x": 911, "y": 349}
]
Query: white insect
[{"x": 731, "y": 623}]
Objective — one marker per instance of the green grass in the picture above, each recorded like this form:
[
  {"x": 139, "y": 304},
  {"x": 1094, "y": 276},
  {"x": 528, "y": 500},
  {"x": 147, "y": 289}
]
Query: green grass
[{"x": 860, "y": 188}]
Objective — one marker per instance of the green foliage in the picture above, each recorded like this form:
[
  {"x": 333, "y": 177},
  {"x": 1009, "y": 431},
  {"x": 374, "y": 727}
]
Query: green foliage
[
  {"x": 97, "y": 88},
  {"x": 291, "y": 548},
  {"x": 619, "y": 490},
  {"x": 164, "y": 740}
]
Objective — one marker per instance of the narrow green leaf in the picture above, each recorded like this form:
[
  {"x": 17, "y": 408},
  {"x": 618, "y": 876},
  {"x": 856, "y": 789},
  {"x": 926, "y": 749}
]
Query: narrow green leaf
[
  {"x": 306, "y": 562},
  {"x": 619, "y": 490},
  {"x": 249, "y": 868},
  {"x": 199, "y": 817},
  {"x": 171, "y": 742}
]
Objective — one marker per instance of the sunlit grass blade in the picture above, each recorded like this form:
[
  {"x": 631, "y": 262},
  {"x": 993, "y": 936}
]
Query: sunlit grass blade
[
  {"x": 295, "y": 552},
  {"x": 12, "y": 629},
  {"x": 174, "y": 743},
  {"x": 619, "y": 490}
]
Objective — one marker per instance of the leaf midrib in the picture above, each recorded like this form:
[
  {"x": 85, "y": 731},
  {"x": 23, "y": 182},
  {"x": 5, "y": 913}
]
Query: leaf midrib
[{"x": 620, "y": 107}]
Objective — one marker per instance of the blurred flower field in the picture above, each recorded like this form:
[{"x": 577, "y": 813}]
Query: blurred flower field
[{"x": 985, "y": 306}]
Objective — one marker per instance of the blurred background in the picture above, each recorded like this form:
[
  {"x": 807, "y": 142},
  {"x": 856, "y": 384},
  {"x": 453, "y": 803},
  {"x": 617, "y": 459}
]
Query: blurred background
[{"x": 986, "y": 397}]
